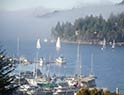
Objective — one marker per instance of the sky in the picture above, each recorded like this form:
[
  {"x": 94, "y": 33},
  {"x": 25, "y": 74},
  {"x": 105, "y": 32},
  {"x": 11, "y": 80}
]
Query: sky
[{"x": 52, "y": 4}]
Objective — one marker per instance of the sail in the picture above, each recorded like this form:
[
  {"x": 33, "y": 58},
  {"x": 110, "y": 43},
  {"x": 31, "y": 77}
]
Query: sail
[
  {"x": 104, "y": 43},
  {"x": 58, "y": 44},
  {"x": 113, "y": 45},
  {"x": 38, "y": 46}
]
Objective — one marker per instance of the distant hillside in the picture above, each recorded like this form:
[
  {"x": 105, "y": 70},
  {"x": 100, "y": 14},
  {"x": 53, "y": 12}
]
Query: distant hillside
[
  {"x": 74, "y": 13},
  {"x": 27, "y": 12},
  {"x": 121, "y": 3},
  {"x": 48, "y": 14},
  {"x": 92, "y": 29}
]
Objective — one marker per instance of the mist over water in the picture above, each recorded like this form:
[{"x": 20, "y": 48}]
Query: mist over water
[{"x": 33, "y": 25}]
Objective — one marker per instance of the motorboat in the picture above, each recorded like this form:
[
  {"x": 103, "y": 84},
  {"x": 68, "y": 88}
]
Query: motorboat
[{"x": 60, "y": 60}]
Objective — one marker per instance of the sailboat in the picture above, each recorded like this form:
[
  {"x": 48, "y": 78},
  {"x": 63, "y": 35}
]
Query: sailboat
[
  {"x": 78, "y": 67},
  {"x": 103, "y": 44},
  {"x": 113, "y": 44},
  {"x": 38, "y": 46},
  {"x": 60, "y": 59},
  {"x": 58, "y": 44},
  {"x": 79, "y": 80}
]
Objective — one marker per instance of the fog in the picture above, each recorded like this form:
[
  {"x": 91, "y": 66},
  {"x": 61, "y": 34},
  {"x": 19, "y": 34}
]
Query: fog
[{"x": 31, "y": 24}]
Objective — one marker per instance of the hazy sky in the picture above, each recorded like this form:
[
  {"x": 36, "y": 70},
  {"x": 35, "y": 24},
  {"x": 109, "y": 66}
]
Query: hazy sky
[{"x": 56, "y": 4}]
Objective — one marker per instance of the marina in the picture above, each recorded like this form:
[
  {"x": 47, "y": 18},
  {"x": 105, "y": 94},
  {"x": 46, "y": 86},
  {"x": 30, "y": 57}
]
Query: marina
[
  {"x": 57, "y": 84},
  {"x": 100, "y": 66},
  {"x": 62, "y": 47}
]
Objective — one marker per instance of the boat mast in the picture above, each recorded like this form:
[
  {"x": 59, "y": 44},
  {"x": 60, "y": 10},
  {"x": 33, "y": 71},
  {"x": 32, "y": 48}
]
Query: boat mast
[
  {"x": 18, "y": 60},
  {"x": 38, "y": 46},
  {"x": 104, "y": 43},
  {"x": 91, "y": 67},
  {"x": 18, "y": 47},
  {"x": 78, "y": 69},
  {"x": 58, "y": 47},
  {"x": 78, "y": 58},
  {"x": 113, "y": 44}
]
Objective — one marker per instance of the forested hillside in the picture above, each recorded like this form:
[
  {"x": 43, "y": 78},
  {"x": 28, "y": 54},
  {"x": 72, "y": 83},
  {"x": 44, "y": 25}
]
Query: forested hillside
[{"x": 91, "y": 29}]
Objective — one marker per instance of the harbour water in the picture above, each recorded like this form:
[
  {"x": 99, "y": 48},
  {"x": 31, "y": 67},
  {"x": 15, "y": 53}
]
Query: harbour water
[{"x": 108, "y": 64}]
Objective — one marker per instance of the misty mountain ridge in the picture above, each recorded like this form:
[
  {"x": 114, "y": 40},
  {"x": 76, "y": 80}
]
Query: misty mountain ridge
[
  {"x": 45, "y": 12},
  {"x": 34, "y": 23},
  {"x": 121, "y": 3},
  {"x": 27, "y": 12},
  {"x": 74, "y": 13}
]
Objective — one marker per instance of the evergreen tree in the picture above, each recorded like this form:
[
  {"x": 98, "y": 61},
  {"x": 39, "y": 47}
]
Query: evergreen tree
[
  {"x": 7, "y": 80},
  {"x": 92, "y": 29}
]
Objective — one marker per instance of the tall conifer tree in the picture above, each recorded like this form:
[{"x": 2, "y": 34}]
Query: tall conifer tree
[{"x": 7, "y": 80}]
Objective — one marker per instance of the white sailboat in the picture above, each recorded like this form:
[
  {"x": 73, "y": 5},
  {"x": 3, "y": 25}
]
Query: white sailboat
[
  {"x": 45, "y": 40},
  {"x": 58, "y": 44},
  {"x": 113, "y": 44},
  {"x": 38, "y": 46},
  {"x": 80, "y": 80},
  {"x": 103, "y": 44},
  {"x": 78, "y": 67},
  {"x": 60, "y": 59}
]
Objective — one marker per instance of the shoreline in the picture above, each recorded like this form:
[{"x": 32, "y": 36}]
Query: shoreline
[{"x": 92, "y": 43}]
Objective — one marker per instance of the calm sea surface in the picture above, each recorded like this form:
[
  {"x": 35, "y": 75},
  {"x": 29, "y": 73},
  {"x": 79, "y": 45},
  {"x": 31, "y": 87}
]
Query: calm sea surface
[{"x": 108, "y": 64}]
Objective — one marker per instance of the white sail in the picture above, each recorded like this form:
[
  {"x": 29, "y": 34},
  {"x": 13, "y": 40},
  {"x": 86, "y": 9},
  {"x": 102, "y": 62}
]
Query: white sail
[
  {"x": 58, "y": 44},
  {"x": 113, "y": 44},
  {"x": 103, "y": 44},
  {"x": 38, "y": 46},
  {"x": 60, "y": 60}
]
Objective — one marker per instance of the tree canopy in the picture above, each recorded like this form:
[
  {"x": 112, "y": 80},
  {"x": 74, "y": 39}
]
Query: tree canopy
[
  {"x": 92, "y": 29},
  {"x": 94, "y": 91}
]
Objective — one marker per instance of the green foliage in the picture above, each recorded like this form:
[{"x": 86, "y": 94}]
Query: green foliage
[
  {"x": 92, "y": 29},
  {"x": 94, "y": 91},
  {"x": 107, "y": 93},
  {"x": 7, "y": 85}
]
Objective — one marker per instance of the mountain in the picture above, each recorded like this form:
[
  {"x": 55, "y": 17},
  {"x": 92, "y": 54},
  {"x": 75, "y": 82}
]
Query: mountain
[
  {"x": 48, "y": 14},
  {"x": 27, "y": 12},
  {"x": 72, "y": 14}
]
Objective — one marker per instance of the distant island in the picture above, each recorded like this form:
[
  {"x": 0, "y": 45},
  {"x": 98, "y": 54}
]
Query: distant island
[{"x": 91, "y": 29}]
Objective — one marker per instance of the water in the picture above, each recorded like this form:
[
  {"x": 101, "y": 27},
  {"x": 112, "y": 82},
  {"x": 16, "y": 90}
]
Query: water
[{"x": 108, "y": 64}]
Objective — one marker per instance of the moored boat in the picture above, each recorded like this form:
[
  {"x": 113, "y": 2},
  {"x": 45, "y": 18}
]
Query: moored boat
[{"x": 60, "y": 60}]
